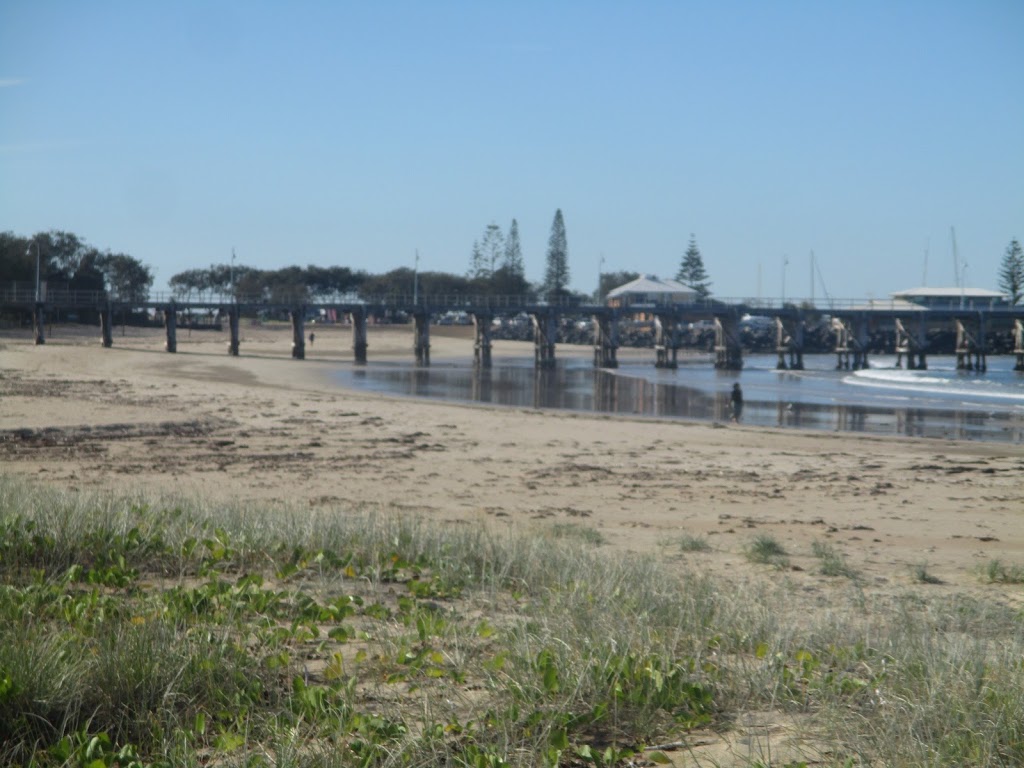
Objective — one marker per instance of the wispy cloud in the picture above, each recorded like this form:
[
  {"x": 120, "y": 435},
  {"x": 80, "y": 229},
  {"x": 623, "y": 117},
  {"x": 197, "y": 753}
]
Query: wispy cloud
[{"x": 11, "y": 82}]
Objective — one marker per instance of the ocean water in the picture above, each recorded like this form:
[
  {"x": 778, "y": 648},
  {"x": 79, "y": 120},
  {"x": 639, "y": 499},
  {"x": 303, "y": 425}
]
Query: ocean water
[{"x": 940, "y": 402}]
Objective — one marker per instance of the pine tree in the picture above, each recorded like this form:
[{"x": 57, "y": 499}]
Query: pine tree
[
  {"x": 556, "y": 276},
  {"x": 493, "y": 249},
  {"x": 487, "y": 253},
  {"x": 691, "y": 271},
  {"x": 477, "y": 266},
  {"x": 513, "y": 263},
  {"x": 1011, "y": 272}
]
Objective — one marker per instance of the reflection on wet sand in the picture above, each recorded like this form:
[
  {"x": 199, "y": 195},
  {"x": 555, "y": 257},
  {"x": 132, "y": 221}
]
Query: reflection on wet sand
[{"x": 583, "y": 388}]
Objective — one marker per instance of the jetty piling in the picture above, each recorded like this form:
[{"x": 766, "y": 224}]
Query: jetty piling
[
  {"x": 38, "y": 323},
  {"x": 728, "y": 351},
  {"x": 666, "y": 340},
  {"x": 106, "y": 326},
  {"x": 851, "y": 341},
  {"x": 171, "y": 328},
  {"x": 545, "y": 330},
  {"x": 358, "y": 316},
  {"x": 482, "y": 323},
  {"x": 233, "y": 344},
  {"x": 789, "y": 340},
  {"x": 970, "y": 348},
  {"x": 911, "y": 344},
  {"x": 297, "y": 316},
  {"x": 606, "y": 341},
  {"x": 421, "y": 337}
]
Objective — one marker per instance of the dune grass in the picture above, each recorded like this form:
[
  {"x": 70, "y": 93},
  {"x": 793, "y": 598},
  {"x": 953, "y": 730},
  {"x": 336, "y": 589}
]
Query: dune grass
[
  {"x": 832, "y": 563},
  {"x": 147, "y": 632},
  {"x": 997, "y": 571},
  {"x": 767, "y": 550}
]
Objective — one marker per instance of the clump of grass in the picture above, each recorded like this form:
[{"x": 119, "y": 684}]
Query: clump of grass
[
  {"x": 766, "y": 550},
  {"x": 832, "y": 562},
  {"x": 998, "y": 572},
  {"x": 578, "y": 532},
  {"x": 922, "y": 575},
  {"x": 688, "y": 543}
]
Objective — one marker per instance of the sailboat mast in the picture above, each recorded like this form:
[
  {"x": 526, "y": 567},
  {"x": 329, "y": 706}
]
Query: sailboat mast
[
  {"x": 956, "y": 257},
  {"x": 812, "y": 278}
]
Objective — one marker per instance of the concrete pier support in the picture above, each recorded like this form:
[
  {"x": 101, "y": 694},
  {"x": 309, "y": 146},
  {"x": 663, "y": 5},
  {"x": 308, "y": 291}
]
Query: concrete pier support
[
  {"x": 606, "y": 341},
  {"x": 107, "y": 326},
  {"x": 728, "y": 352},
  {"x": 789, "y": 340},
  {"x": 666, "y": 341},
  {"x": 482, "y": 322},
  {"x": 1018, "y": 344},
  {"x": 860, "y": 336},
  {"x": 971, "y": 348},
  {"x": 359, "y": 334},
  {"x": 298, "y": 318},
  {"x": 851, "y": 342},
  {"x": 233, "y": 344},
  {"x": 421, "y": 337},
  {"x": 545, "y": 330},
  {"x": 911, "y": 344},
  {"x": 171, "y": 328},
  {"x": 38, "y": 323}
]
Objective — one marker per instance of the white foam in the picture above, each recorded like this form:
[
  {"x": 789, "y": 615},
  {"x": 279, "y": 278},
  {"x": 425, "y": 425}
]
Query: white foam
[{"x": 925, "y": 382}]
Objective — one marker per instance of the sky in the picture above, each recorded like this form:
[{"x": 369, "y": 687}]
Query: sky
[{"x": 885, "y": 138}]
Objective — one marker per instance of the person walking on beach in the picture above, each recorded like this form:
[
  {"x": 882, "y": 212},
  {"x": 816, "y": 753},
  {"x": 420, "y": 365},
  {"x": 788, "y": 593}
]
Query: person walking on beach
[{"x": 736, "y": 402}]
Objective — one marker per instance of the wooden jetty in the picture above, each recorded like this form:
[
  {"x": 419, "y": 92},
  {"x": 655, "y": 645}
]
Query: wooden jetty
[{"x": 851, "y": 324}]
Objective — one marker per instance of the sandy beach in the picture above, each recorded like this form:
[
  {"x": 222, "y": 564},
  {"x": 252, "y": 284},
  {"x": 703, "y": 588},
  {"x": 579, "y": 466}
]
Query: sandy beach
[{"x": 265, "y": 427}]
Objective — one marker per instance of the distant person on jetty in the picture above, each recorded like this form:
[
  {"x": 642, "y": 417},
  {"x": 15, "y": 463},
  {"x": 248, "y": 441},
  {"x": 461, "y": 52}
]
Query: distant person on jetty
[
  {"x": 312, "y": 337},
  {"x": 736, "y": 402}
]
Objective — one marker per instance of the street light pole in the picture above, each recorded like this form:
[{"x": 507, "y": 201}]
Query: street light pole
[{"x": 232, "y": 277}]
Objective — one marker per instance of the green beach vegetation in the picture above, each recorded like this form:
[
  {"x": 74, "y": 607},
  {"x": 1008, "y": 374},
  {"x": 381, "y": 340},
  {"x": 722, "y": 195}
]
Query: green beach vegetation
[{"x": 143, "y": 632}]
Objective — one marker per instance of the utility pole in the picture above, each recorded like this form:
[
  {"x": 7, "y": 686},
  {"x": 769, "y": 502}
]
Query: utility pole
[{"x": 231, "y": 279}]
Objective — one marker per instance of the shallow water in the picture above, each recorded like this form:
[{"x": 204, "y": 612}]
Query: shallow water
[{"x": 939, "y": 402}]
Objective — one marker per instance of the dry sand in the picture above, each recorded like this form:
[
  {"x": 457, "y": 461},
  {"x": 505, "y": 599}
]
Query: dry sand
[{"x": 265, "y": 427}]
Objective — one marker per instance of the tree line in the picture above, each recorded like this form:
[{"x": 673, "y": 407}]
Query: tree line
[
  {"x": 496, "y": 267},
  {"x": 64, "y": 259}
]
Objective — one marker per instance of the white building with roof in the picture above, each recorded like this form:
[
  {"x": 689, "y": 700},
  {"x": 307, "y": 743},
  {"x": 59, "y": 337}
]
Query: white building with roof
[
  {"x": 953, "y": 298},
  {"x": 650, "y": 291}
]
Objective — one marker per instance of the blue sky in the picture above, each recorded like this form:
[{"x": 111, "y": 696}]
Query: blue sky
[{"x": 357, "y": 133}]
